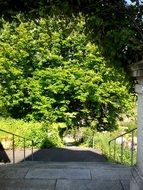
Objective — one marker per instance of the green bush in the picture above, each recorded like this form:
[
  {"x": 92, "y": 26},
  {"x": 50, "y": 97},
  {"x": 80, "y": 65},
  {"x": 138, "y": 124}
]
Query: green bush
[
  {"x": 43, "y": 135},
  {"x": 126, "y": 155},
  {"x": 101, "y": 142}
]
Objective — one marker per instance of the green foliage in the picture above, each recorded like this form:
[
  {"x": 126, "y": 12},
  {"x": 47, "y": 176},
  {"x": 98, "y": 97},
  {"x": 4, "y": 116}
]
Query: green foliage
[
  {"x": 42, "y": 134},
  {"x": 115, "y": 25},
  {"x": 131, "y": 125},
  {"x": 126, "y": 155},
  {"x": 51, "y": 72},
  {"x": 116, "y": 30},
  {"x": 101, "y": 141}
]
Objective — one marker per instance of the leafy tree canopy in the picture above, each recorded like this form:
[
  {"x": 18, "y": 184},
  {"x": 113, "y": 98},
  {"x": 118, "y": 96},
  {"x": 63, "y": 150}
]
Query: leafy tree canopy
[
  {"x": 116, "y": 26},
  {"x": 51, "y": 71}
]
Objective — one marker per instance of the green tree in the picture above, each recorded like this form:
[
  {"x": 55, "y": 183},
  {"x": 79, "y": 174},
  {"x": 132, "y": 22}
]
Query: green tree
[
  {"x": 115, "y": 26},
  {"x": 50, "y": 71}
]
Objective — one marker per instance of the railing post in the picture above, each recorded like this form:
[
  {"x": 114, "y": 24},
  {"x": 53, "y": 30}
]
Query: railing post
[
  {"x": 122, "y": 143},
  {"x": 24, "y": 144},
  {"x": 24, "y": 148},
  {"x": 32, "y": 149},
  {"x": 114, "y": 149},
  {"x": 122, "y": 147},
  {"x": 132, "y": 148},
  {"x": 109, "y": 150},
  {"x": 13, "y": 149}
]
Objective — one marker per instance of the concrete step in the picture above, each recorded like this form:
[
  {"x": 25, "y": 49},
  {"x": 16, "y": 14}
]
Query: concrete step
[
  {"x": 64, "y": 176},
  {"x": 65, "y": 164},
  {"x": 63, "y": 185},
  {"x": 27, "y": 184}
]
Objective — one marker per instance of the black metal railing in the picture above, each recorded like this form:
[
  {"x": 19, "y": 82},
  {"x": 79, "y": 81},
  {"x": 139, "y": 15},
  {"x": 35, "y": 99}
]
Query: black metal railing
[
  {"x": 24, "y": 144},
  {"x": 122, "y": 146}
]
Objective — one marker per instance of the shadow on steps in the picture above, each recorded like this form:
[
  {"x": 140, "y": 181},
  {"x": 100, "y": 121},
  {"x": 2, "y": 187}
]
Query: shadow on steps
[
  {"x": 3, "y": 155},
  {"x": 67, "y": 155}
]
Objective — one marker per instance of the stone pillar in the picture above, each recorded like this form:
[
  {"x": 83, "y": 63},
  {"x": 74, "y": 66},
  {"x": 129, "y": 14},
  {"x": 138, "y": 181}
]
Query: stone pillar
[{"x": 137, "y": 172}]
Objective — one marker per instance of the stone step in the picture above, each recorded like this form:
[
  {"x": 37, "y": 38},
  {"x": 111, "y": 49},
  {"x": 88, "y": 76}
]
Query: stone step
[
  {"x": 66, "y": 164},
  {"x": 63, "y": 185},
  {"x": 33, "y": 184},
  {"x": 26, "y": 184},
  {"x": 91, "y": 185},
  {"x": 64, "y": 176}
]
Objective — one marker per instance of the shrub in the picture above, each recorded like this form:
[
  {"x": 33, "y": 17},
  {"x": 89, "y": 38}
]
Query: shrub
[{"x": 43, "y": 135}]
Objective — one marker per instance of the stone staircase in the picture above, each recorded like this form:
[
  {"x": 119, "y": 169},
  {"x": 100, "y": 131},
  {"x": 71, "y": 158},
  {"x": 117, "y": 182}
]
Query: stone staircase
[{"x": 42, "y": 175}]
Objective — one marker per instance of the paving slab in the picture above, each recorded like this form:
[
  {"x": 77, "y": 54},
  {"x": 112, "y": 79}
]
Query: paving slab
[
  {"x": 88, "y": 185},
  {"x": 125, "y": 184},
  {"x": 6, "y": 172},
  {"x": 58, "y": 174},
  {"x": 27, "y": 184},
  {"x": 111, "y": 174}
]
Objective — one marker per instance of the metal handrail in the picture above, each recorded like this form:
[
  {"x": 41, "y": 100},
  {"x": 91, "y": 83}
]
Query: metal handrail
[
  {"x": 122, "y": 146},
  {"x": 24, "y": 141}
]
